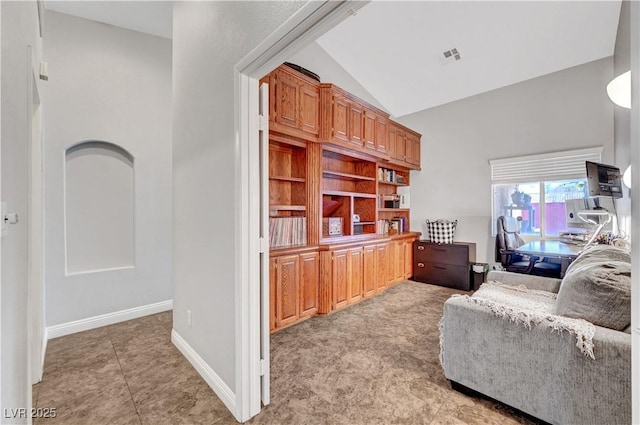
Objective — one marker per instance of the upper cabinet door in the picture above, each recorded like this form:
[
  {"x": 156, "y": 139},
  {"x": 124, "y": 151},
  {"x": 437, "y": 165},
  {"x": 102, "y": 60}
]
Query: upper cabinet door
[
  {"x": 391, "y": 140},
  {"x": 413, "y": 149},
  {"x": 340, "y": 118},
  {"x": 309, "y": 109},
  {"x": 294, "y": 104},
  {"x": 381, "y": 134},
  {"x": 356, "y": 124},
  {"x": 401, "y": 145},
  {"x": 369, "y": 129},
  {"x": 286, "y": 103}
]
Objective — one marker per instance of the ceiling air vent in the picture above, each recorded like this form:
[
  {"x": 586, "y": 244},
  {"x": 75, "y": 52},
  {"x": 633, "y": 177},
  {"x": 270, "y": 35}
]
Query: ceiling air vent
[{"x": 449, "y": 56}]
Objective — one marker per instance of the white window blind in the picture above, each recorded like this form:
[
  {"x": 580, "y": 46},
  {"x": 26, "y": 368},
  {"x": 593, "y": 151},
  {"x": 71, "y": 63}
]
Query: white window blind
[{"x": 547, "y": 166}]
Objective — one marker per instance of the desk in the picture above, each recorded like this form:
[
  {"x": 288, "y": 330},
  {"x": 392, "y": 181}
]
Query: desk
[{"x": 562, "y": 251}]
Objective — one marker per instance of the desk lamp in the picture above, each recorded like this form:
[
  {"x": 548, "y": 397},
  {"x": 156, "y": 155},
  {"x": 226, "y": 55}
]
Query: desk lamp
[{"x": 584, "y": 216}]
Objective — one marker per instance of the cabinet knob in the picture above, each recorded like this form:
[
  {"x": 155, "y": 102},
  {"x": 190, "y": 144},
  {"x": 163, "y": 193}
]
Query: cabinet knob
[
  {"x": 420, "y": 248},
  {"x": 420, "y": 264}
]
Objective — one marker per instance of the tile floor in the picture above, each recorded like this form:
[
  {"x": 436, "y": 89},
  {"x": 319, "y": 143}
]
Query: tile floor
[
  {"x": 373, "y": 363},
  {"x": 128, "y": 373}
]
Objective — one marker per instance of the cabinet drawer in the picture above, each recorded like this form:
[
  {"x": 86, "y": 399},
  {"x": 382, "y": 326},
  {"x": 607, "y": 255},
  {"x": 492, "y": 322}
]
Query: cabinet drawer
[
  {"x": 443, "y": 274},
  {"x": 444, "y": 254}
]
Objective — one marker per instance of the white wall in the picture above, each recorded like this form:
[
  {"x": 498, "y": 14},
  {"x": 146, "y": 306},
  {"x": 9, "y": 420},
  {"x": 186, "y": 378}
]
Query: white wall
[
  {"x": 622, "y": 116},
  {"x": 209, "y": 38},
  {"x": 19, "y": 29},
  {"x": 564, "y": 110},
  {"x": 314, "y": 58},
  {"x": 114, "y": 85}
]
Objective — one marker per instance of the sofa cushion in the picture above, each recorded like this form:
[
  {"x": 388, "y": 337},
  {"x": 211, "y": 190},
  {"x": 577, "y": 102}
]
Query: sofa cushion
[
  {"x": 600, "y": 252},
  {"x": 597, "y": 290}
]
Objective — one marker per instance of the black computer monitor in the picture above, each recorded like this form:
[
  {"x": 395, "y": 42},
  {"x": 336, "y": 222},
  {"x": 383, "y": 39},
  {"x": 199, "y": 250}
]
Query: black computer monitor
[{"x": 603, "y": 180}]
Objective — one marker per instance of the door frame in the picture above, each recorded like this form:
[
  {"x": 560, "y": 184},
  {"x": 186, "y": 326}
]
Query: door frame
[
  {"x": 1, "y": 218},
  {"x": 35, "y": 277},
  {"x": 311, "y": 21}
]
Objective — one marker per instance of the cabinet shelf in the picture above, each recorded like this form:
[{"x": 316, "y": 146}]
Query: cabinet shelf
[
  {"x": 354, "y": 194},
  {"x": 363, "y": 223},
  {"x": 288, "y": 179},
  {"x": 287, "y": 208},
  {"x": 392, "y": 183},
  {"x": 346, "y": 176},
  {"x": 393, "y": 209}
]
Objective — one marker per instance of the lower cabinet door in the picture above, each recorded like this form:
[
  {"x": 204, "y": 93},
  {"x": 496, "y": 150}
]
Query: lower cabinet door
[
  {"x": 382, "y": 265},
  {"x": 355, "y": 275},
  {"x": 369, "y": 271},
  {"x": 339, "y": 281},
  {"x": 309, "y": 278},
  {"x": 408, "y": 258},
  {"x": 288, "y": 275}
]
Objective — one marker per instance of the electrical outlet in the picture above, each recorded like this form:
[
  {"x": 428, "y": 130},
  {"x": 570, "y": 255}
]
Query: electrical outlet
[{"x": 189, "y": 318}]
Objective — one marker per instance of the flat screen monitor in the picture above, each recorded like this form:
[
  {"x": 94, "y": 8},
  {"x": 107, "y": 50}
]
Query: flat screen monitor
[{"x": 603, "y": 180}]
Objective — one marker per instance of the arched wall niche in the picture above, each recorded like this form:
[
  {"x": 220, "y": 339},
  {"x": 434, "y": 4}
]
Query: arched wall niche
[{"x": 99, "y": 191}]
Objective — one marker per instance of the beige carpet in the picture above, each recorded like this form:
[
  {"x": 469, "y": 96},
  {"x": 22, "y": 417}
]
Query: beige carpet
[{"x": 373, "y": 363}]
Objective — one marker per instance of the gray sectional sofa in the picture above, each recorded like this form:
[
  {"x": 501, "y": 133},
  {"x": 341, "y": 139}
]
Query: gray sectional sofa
[{"x": 567, "y": 359}]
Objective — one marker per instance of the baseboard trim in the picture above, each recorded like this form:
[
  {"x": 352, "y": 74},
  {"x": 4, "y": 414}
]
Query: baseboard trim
[
  {"x": 45, "y": 341},
  {"x": 216, "y": 383},
  {"x": 107, "y": 319}
]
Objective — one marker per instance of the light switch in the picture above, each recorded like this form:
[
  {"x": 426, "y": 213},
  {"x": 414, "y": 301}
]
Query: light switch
[
  {"x": 4, "y": 225},
  {"x": 7, "y": 218}
]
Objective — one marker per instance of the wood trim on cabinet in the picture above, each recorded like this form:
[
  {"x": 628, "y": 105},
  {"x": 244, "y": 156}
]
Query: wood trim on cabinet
[
  {"x": 314, "y": 198},
  {"x": 324, "y": 304}
]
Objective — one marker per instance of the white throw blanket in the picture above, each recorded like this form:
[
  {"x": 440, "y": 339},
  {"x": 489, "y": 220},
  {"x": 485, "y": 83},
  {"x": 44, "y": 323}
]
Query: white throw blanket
[{"x": 528, "y": 306}]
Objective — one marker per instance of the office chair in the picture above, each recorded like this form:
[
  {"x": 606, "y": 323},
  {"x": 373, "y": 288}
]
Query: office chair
[{"x": 507, "y": 240}]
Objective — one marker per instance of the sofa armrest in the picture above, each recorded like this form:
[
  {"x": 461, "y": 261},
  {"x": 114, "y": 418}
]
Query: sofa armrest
[
  {"x": 539, "y": 371},
  {"x": 539, "y": 283}
]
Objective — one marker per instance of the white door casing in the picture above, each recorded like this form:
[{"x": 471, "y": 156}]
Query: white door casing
[
  {"x": 305, "y": 26},
  {"x": 265, "y": 313},
  {"x": 35, "y": 293}
]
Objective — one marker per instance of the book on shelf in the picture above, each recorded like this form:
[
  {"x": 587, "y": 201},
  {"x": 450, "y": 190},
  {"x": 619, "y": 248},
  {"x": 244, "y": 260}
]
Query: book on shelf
[
  {"x": 382, "y": 227},
  {"x": 287, "y": 231},
  {"x": 392, "y": 226},
  {"x": 389, "y": 201},
  {"x": 391, "y": 176}
]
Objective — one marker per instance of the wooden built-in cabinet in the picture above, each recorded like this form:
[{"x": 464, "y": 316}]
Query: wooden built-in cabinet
[
  {"x": 328, "y": 155},
  {"x": 369, "y": 260},
  {"x": 294, "y": 279},
  {"x": 309, "y": 280},
  {"x": 404, "y": 146},
  {"x": 294, "y": 103},
  {"x": 349, "y": 122},
  {"x": 382, "y": 266},
  {"x": 352, "y": 272},
  {"x": 348, "y": 187}
]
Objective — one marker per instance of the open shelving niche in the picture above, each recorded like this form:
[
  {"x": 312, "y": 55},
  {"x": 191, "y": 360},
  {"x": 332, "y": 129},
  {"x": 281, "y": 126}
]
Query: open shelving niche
[
  {"x": 392, "y": 180},
  {"x": 348, "y": 189},
  {"x": 287, "y": 194}
]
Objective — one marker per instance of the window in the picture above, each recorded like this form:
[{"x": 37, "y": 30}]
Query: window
[{"x": 534, "y": 188}]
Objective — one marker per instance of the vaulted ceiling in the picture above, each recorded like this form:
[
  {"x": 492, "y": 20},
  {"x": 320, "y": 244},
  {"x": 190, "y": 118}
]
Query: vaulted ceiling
[{"x": 395, "y": 49}]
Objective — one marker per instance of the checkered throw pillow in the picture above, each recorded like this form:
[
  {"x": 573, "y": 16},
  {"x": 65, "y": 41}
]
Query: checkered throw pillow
[{"x": 441, "y": 231}]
